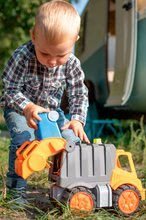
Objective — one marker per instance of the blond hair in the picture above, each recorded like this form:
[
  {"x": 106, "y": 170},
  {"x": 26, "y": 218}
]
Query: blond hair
[{"x": 56, "y": 20}]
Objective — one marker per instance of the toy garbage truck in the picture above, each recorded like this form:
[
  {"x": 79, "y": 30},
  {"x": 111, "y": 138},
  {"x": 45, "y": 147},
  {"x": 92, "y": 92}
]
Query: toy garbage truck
[
  {"x": 84, "y": 176},
  {"x": 90, "y": 176}
]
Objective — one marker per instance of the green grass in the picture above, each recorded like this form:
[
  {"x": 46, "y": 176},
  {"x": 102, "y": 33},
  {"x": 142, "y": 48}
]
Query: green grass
[
  {"x": 132, "y": 140},
  {"x": 2, "y": 122}
]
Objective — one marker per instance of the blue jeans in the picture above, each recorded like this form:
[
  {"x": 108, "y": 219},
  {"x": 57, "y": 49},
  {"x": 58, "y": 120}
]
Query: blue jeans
[{"x": 20, "y": 132}]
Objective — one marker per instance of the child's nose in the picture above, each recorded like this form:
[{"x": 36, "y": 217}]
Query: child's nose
[{"x": 52, "y": 62}]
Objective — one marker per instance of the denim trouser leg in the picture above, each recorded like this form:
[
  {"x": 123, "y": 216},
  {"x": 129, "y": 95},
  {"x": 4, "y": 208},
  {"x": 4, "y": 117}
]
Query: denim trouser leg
[
  {"x": 67, "y": 134},
  {"x": 19, "y": 132}
]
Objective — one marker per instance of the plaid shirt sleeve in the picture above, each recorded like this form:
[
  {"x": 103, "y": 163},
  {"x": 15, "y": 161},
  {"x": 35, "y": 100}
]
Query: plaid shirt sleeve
[
  {"x": 77, "y": 91},
  {"x": 13, "y": 76}
]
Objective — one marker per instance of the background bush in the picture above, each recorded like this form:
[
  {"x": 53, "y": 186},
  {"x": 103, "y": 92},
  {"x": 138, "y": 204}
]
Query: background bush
[{"x": 16, "y": 19}]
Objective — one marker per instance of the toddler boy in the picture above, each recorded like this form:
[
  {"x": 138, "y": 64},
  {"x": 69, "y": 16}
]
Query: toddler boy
[{"x": 35, "y": 78}]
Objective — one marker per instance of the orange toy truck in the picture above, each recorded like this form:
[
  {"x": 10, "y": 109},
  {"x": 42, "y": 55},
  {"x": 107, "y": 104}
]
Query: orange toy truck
[{"x": 84, "y": 176}]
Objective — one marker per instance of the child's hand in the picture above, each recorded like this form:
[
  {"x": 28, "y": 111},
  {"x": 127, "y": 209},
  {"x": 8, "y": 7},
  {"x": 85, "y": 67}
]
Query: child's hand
[
  {"x": 31, "y": 113},
  {"x": 77, "y": 127}
]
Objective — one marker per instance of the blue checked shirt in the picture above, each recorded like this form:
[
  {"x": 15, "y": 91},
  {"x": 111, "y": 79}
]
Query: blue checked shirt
[{"x": 25, "y": 80}]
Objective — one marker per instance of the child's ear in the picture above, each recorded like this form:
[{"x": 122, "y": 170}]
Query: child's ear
[
  {"x": 32, "y": 35},
  {"x": 78, "y": 37}
]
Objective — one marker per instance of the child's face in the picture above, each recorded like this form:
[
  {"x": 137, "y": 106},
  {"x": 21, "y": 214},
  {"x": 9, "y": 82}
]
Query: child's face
[{"x": 52, "y": 55}]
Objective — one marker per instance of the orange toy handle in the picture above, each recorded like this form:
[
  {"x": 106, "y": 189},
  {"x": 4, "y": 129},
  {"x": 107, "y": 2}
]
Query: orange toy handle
[
  {"x": 22, "y": 147},
  {"x": 29, "y": 149}
]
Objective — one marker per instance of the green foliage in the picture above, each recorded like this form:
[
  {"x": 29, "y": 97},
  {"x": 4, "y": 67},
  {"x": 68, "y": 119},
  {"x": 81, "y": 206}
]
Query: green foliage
[
  {"x": 144, "y": 163},
  {"x": 16, "y": 19},
  {"x": 138, "y": 141}
]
